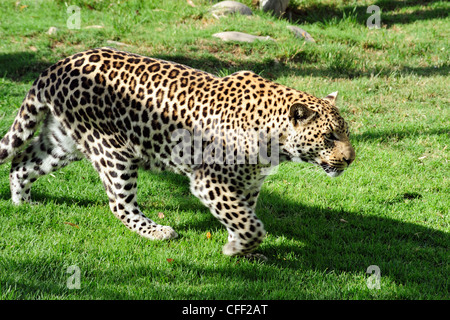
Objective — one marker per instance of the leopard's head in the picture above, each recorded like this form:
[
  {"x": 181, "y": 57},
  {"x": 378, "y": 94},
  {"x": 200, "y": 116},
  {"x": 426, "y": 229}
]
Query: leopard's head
[{"x": 318, "y": 134}]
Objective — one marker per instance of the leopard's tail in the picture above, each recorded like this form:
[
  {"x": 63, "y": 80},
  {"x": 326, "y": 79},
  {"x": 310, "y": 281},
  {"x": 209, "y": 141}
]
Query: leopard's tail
[{"x": 26, "y": 123}]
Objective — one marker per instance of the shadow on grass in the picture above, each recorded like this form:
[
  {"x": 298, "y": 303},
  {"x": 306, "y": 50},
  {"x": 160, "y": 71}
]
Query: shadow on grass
[
  {"x": 383, "y": 135},
  {"x": 272, "y": 71},
  {"x": 335, "y": 241},
  {"x": 22, "y": 66},
  {"x": 26, "y": 67},
  {"x": 341, "y": 241},
  {"x": 406, "y": 253},
  {"x": 418, "y": 10},
  {"x": 46, "y": 198}
]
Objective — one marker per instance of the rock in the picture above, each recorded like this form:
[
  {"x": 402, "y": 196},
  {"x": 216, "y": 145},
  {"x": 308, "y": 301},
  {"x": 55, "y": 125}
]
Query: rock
[
  {"x": 94, "y": 27},
  {"x": 117, "y": 43},
  {"x": 52, "y": 30},
  {"x": 239, "y": 36},
  {"x": 229, "y": 7},
  {"x": 278, "y": 7},
  {"x": 300, "y": 33}
]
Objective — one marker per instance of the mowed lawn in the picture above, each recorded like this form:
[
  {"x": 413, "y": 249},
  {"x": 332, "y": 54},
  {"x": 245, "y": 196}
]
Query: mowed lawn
[{"x": 389, "y": 210}]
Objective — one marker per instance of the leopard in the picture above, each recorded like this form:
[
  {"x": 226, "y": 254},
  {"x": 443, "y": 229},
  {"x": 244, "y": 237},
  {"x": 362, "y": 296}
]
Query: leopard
[{"x": 125, "y": 112}]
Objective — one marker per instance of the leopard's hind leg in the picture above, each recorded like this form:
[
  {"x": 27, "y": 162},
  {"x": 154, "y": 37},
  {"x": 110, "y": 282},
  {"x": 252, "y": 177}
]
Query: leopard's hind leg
[
  {"x": 30, "y": 114},
  {"x": 119, "y": 176},
  {"x": 50, "y": 151}
]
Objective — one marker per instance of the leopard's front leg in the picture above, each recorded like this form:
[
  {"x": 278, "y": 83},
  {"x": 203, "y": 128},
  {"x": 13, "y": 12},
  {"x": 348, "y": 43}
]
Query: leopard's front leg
[{"x": 232, "y": 202}]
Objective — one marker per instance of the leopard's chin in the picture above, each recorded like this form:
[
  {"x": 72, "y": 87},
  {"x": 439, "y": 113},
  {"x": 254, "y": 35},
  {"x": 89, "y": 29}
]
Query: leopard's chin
[{"x": 331, "y": 171}]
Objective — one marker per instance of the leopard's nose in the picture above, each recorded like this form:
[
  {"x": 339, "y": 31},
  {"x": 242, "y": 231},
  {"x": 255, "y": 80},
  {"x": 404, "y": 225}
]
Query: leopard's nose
[
  {"x": 349, "y": 155},
  {"x": 349, "y": 161}
]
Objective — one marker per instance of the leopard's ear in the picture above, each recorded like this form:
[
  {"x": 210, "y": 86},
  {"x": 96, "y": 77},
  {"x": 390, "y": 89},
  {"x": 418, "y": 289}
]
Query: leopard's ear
[
  {"x": 332, "y": 97},
  {"x": 299, "y": 113}
]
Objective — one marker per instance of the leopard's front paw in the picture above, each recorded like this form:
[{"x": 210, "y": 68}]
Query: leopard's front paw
[
  {"x": 256, "y": 257},
  {"x": 235, "y": 248},
  {"x": 232, "y": 248}
]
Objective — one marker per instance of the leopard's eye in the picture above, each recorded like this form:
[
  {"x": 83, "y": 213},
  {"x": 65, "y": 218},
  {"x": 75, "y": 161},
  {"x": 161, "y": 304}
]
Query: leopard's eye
[{"x": 331, "y": 136}]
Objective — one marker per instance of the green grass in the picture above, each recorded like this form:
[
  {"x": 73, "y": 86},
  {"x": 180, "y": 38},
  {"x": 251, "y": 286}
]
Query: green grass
[{"x": 390, "y": 209}]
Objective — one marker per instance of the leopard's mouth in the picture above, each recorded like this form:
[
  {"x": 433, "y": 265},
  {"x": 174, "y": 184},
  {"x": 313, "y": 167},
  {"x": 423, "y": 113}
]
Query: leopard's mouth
[{"x": 330, "y": 170}]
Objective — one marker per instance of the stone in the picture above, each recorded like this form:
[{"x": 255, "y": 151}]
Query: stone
[
  {"x": 239, "y": 36},
  {"x": 117, "y": 43},
  {"x": 300, "y": 33},
  {"x": 229, "y": 7},
  {"x": 278, "y": 7},
  {"x": 52, "y": 30},
  {"x": 94, "y": 27}
]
